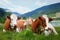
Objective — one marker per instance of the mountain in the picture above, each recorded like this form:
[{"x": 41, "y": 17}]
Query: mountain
[
  {"x": 18, "y": 14},
  {"x": 8, "y": 10},
  {"x": 49, "y": 10}
]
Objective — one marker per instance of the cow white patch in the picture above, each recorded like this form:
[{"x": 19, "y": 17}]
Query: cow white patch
[
  {"x": 17, "y": 30},
  {"x": 47, "y": 32},
  {"x": 13, "y": 20},
  {"x": 4, "y": 30}
]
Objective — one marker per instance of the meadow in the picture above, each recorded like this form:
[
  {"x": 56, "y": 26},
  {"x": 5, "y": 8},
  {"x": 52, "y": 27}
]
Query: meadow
[{"x": 27, "y": 35}]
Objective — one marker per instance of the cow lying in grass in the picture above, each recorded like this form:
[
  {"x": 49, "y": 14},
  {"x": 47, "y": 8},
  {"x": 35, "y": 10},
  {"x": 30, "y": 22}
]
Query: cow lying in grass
[
  {"x": 49, "y": 27},
  {"x": 37, "y": 24},
  {"x": 10, "y": 23},
  {"x": 43, "y": 21},
  {"x": 7, "y": 24},
  {"x": 22, "y": 24}
]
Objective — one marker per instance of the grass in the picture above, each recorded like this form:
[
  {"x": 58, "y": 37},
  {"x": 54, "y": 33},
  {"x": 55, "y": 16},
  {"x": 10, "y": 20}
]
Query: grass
[{"x": 27, "y": 35}]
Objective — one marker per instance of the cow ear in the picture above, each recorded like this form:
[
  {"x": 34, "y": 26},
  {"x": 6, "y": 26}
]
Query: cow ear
[
  {"x": 8, "y": 17},
  {"x": 19, "y": 18},
  {"x": 50, "y": 19},
  {"x": 39, "y": 17}
]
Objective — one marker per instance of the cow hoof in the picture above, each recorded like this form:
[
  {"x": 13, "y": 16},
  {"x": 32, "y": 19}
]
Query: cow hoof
[
  {"x": 4, "y": 30},
  {"x": 56, "y": 34},
  {"x": 17, "y": 30}
]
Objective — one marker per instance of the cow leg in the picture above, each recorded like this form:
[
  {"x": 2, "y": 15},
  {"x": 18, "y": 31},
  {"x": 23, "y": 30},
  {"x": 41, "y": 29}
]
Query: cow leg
[
  {"x": 47, "y": 32},
  {"x": 4, "y": 30},
  {"x": 54, "y": 31},
  {"x": 17, "y": 30}
]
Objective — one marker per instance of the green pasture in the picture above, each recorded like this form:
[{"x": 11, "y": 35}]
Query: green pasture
[{"x": 27, "y": 35}]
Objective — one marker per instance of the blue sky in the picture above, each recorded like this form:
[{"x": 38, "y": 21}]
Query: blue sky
[{"x": 23, "y": 6}]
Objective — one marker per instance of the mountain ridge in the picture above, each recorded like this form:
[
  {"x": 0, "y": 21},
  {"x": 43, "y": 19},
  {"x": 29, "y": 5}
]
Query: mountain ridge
[{"x": 53, "y": 8}]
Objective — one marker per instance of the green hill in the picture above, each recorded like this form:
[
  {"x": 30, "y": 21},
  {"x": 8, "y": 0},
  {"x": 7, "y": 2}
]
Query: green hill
[
  {"x": 3, "y": 15},
  {"x": 50, "y": 10}
]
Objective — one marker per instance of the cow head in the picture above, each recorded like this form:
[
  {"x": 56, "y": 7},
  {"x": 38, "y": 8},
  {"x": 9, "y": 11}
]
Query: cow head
[
  {"x": 28, "y": 21},
  {"x": 47, "y": 19},
  {"x": 13, "y": 18},
  {"x": 43, "y": 21},
  {"x": 18, "y": 18}
]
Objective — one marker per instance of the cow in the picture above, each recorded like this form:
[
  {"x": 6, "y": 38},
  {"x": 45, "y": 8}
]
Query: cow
[
  {"x": 37, "y": 24},
  {"x": 49, "y": 27},
  {"x": 20, "y": 25},
  {"x": 7, "y": 24},
  {"x": 10, "y": 23},
  {"x": 43, "y": 21},
  {"x": 23, "y": 24}
]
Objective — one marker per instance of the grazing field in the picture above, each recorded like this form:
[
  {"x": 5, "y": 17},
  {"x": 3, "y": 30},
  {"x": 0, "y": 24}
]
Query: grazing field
[{"x": 27, "y": 35}]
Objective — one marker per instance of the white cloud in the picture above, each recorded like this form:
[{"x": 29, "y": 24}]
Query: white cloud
[
  {"x": 41, "y": 3},
  {"x": 13, "y": 7},
  {"x": 23, "y": 8},
  {"x": 20, "y": 9},
  {"x": 3, "y": 2}
]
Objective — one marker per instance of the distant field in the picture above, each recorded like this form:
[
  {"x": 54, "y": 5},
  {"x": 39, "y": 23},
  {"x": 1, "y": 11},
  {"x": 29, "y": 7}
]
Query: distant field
[{"x": 27, "y": 35}]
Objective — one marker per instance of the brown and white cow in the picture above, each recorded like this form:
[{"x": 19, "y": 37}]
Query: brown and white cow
[
  {"x": 22, "y": 24},
  {"x": 7, "y": 24},
  {"x": 49, "y": 27},
  {"x": 43, "y": 21},
  {"x": 36, "y": 25},
  {"x": 10, "y": 22}
]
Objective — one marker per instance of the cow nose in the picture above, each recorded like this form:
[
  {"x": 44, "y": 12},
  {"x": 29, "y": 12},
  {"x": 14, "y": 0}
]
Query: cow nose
[{"x": 14, "y": 24}]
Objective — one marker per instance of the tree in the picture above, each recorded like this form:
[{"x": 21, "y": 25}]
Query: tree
[{"x": 2, "y": 12}]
